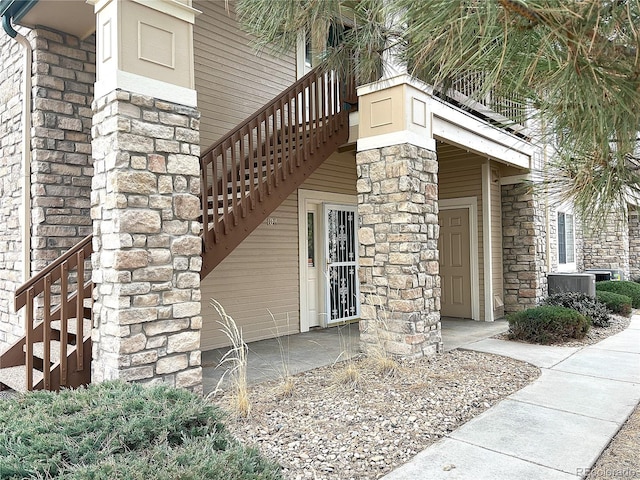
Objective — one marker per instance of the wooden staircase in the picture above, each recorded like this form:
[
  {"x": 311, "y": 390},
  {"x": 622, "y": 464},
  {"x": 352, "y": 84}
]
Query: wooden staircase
[
  {"x": 246, "y": 175},
  {"x": 55, "y": 352},
  {"x": 249, "y": 172}
]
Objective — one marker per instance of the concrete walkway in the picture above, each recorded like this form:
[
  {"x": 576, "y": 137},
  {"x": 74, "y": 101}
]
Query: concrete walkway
[{"x": 555, "y": 428}]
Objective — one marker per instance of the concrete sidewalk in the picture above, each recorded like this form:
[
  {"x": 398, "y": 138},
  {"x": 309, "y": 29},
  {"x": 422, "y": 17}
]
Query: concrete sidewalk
[{"x": 555, "y": 428}]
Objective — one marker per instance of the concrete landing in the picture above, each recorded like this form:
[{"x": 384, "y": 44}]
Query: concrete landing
[
  {"x": 268, "y": 358},
  {"x": 317, "y": 348},
  {"x": 459, "y": 332}
]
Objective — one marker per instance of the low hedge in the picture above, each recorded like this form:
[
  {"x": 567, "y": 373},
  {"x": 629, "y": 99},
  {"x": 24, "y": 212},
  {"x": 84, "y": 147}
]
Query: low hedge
[
  {"x": 615, "y": 303},
  {"x": 122, "y": 431},
  {"x": 547, "y": 324},
  {"x": 582, "y": 303},
  {"x": 630, "y": 289}
]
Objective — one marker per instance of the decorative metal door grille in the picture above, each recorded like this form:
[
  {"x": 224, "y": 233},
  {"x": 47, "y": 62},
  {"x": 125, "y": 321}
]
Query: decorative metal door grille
[{"x": 342, "y": 263}]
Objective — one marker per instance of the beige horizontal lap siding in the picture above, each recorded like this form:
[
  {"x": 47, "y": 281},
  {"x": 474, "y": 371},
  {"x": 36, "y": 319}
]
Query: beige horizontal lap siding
[
  {"x": 260, "y": 277},
  {"x": 337, "y": 174},
  {"x": 257, "y": 283},
  {"x": 460, "y": 175},
  {"x": 232, "y": 80},
  {"x": 496, "y": 240}
]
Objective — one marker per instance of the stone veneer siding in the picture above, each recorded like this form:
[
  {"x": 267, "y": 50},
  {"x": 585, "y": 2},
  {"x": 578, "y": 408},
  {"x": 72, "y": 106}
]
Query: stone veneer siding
[
  {"x": 398, "y": 234},
  {"x": 61, "y": 166},
  {"x": 524, "y": 248},
  {"x": 606, "y": 244},
  {"x": 146, "y": 261},
  {"x": 634, "y": 244},
  {"x": 11, "y": 66},
  {"x": 61, "y": 163}
]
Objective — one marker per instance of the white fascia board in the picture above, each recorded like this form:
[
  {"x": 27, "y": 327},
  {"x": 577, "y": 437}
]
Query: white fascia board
[
  {"x": 534, "y": 177},
  {"x": 465, "y": 131}
]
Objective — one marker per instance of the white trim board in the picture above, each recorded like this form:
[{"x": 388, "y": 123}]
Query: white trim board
[
  {"x": 487, "y": 242},
  {"x": 470, "y": 203},
  {"x": 132, "y": 82}
]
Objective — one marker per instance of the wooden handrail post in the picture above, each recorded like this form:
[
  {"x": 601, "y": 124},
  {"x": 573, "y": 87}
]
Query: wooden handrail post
[
  {"x": 235, "y": 167},
  {"x": 46, "y": 361},
  {"x": 29, "y": 338},
  {"x": 80, "y": 313},
  {"x": 64, "y": 321}
]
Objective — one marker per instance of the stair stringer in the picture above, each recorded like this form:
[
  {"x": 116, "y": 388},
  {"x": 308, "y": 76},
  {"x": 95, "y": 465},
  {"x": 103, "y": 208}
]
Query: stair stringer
[{"x": 245, "y": 225}]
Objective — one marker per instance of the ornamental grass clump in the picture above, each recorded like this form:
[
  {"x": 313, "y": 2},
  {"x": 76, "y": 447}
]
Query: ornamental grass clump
[
  {"x": 547, "y": 324},
  {"x": 236, "y": 361},
  {"x": 582, "y": 303},
  {"x": 615, "y": 303},
  {"x": 630, "y": 289},
  {"x": 116, "y": 431}
]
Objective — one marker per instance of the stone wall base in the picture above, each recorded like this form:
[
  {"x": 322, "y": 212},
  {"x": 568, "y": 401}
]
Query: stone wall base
[{"x": 398, "y": 235}]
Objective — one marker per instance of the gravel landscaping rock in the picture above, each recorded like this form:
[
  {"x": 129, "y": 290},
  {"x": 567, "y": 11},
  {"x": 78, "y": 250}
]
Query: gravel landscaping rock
[
  {"x": 621, "y": 459},
  {"x": 349, "y": 422}
]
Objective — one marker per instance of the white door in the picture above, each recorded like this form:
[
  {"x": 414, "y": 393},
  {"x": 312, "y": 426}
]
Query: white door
[{"x": 341, "y": 242}]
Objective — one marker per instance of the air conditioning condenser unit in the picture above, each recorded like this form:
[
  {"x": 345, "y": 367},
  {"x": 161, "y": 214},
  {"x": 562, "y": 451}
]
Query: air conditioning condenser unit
[{"x": 572, "y": 282}]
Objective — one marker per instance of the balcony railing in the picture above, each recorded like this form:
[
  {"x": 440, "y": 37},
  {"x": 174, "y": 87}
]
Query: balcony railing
[{"x": 508, "y": 110}]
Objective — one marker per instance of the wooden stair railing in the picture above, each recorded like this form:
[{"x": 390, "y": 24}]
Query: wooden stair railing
[
  {"x": 250, "y": 171},
  {"x": 245, "y": 176},
  {"x": 55, "y": 351}
]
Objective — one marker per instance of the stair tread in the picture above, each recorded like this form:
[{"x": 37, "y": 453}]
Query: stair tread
[
  {"x": 38, "y": 350},
  {"x": 16, "y": 379},
  {"x": 71, "y": 326}
]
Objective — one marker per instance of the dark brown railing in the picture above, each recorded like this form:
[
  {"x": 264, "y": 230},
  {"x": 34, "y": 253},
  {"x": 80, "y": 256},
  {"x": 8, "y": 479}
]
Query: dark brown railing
[
  {"x": 245, "y": 176},
  {"x": 55, "y": 281},
  {"x": 249, "y": 164}
]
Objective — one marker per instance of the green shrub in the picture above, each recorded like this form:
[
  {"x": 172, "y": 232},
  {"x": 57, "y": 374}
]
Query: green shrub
[
  {"x": 616, "y": 303},
  {"x": 547, "y": 324},
  {"x": 582, "y": 303},
  {"x": 116, "y": 431},
  {"x": 630, "y": 289}
]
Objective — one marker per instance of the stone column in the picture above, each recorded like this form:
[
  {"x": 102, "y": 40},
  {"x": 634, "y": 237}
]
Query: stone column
[
  {"x": 399, "y": 270},
  {"x": 145, "y": 208},
  {"x": 144, "y": 201},
  {"x": 523, "y": 246},
  {"x": 398, "y": 208}
]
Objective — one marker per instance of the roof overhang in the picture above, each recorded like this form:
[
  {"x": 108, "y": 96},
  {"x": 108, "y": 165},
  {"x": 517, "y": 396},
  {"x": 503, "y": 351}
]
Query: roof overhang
[{"x": 75, "y": 17}]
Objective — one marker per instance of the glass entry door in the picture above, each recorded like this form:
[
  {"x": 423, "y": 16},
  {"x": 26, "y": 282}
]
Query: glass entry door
[{"x": 342, "y": 292}]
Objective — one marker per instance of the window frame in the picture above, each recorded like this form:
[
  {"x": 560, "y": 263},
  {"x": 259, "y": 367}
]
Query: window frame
[{"x": 566, "y": 248}]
